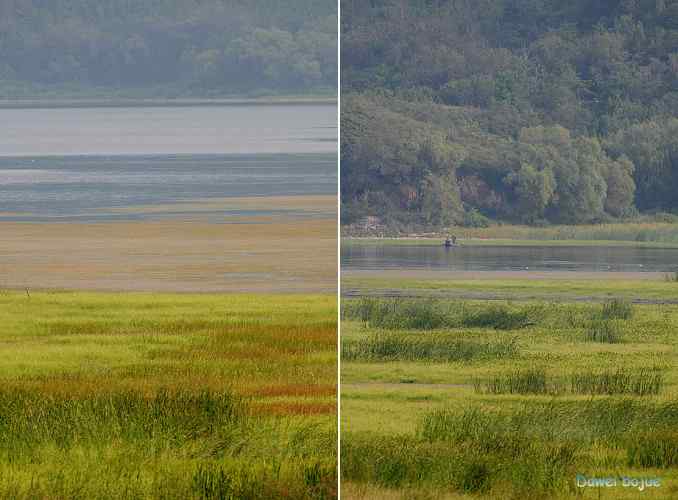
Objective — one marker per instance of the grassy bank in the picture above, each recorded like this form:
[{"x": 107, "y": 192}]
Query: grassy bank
[
  {"x": 636, "y": 234},
  {"x": 111, "y": 395},
  {"x": 527, "y": 396},
  {"x": 599, "y": 286}
]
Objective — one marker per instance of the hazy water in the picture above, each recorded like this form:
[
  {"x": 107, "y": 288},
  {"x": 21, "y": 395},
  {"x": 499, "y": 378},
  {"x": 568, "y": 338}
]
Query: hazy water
[
  {"x": 356, "y": 256},
  {"x": 86, "y": 163},
  {"x": 169, "y": 130}
]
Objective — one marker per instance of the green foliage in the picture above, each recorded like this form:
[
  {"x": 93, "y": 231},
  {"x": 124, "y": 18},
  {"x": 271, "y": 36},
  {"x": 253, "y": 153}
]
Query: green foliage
[
  {"x": 534, "y": 190},
  {"x": 559, "y": 112},
  {"x": 176, "y": 47}
]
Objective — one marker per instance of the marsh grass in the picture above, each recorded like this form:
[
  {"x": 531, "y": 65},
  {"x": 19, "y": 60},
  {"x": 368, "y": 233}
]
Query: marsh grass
[
  {"x": 529, "y": 381},
  {"x": 423, "y": 347},
  {"x": 604, "y": 330},
  {"x": 497, "y": 317},
  {"x": 650, "y": 231},
  {"x": 653, "y": 449},
  {"x": 529, "y": 422},
  {"x": 530, "y": 452},
  {"x": 617, "y": 309},
  {"x": 167, "y": 396},
  {"x": 399, "y": 314},
  {"x": 644, "y": 382},
  {"x": 30, "y": 419},
  {"x": 431, "y": 314}
]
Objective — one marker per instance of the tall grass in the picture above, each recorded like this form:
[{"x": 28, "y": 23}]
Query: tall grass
[
  {"x": 213, "y": 432},
  {"x": 653, "y": 449},
  {"x": 400, "y": 347},
  {"x": 396, "y": 314},
  {"x": 530, "y": 381},
  {"x": 167, "y": 396},
  {"x": 606, "y": 331},
  {"x": 498, "y": 317},
  {"x": 29, "y": 419},
  {"x": 530, "y": 452},
  {"x": 430, "y": 314},
  {"x": 617, "y": 309},
  {"x": 644, "y": 382},
  {"x": 660, "y": 232}
]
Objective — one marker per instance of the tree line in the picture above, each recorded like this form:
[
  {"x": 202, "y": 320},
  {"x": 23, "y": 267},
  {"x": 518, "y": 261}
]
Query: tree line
[
  {"x": 530, "y": 111},
  {"x": 186, "y": 47}
]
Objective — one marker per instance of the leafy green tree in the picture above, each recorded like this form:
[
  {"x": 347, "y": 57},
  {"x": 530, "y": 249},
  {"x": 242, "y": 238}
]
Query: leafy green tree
[
  {"x": 534, "y": 190},
  {"x": 556, "y": 111}
]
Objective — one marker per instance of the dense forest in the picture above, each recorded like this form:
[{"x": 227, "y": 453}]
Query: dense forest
[
  {"x": 167, "y": 47},
  {"x": 523, "y": 111}
]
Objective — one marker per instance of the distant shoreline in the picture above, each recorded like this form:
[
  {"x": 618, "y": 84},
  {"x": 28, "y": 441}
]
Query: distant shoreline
[
  {"x": 433, "y": 241},
  {"x": 47, "y": 103}
]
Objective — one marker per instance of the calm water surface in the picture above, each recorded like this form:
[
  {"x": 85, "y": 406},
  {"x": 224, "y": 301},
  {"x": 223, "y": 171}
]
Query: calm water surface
[
  {"x": 356, "y": 256},
  {"x": 86, "y": 163},
  {"x": 168, "y": 130}
]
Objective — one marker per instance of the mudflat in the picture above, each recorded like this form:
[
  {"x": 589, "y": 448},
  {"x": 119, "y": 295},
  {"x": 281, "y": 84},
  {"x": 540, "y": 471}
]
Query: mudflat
[{"x": 289, "y": 251}]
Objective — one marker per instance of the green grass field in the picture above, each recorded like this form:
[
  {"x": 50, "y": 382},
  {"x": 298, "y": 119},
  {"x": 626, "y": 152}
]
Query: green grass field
[
  {"x": 134, "y": 395},
  {"x": 444, "y": 398}
]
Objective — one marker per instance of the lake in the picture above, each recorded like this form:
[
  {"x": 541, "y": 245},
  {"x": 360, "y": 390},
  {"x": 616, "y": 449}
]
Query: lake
[
  {"x": 228, "y": 198},
  {"x": 170, "y": 130},
  {"x": 84, "y": 164},
  {"x": 375, "y": 257}
]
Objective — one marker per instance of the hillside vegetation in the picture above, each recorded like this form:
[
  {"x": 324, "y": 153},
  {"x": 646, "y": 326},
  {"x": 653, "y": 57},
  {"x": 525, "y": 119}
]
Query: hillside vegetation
[
  {"x": 522, "y": 111},
  {"x": 167, "y": 47}
]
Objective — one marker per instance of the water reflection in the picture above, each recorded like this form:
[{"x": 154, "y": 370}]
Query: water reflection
[{"x": 356, "y": 256}]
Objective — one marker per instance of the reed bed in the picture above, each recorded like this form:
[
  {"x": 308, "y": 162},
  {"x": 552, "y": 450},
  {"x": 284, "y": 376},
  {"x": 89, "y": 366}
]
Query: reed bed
[
  {"x": 530, "y": 381},
  {"x": 395, "y": 347},
  {"x": 531, "y": 452},
  {"x": 605, "y": 331},
  {"x": 430, "y": 314},
  {"x": 617, "y": 309},
  {"x": 643, "y": 382},
  {"x": 651, "y": 231}
]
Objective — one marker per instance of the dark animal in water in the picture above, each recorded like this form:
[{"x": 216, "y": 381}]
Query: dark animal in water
[{"x": 451, "y": 241}]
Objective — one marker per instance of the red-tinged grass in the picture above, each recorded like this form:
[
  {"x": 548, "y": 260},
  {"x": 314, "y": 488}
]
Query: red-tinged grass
[
  {"x": 277, "y": 354},
  {"x": 296, "y": 390},
  {"x": 294, "y": 408}
]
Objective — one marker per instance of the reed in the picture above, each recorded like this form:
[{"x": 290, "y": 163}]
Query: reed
[
  {"x": 398, "y": 347},
  {"x": 643, "y": 382},
  {"x": 605, "y": 331},
  {"x": 529, "y": 381}
]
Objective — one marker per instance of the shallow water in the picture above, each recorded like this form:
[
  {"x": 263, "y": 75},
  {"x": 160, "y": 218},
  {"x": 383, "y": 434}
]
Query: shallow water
[
  {"x": 169, "y": 130},
  {"x": 357, "y": 256},
  {"x": 86, "y": 164},
  {"x": 92, "y": 188}
]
